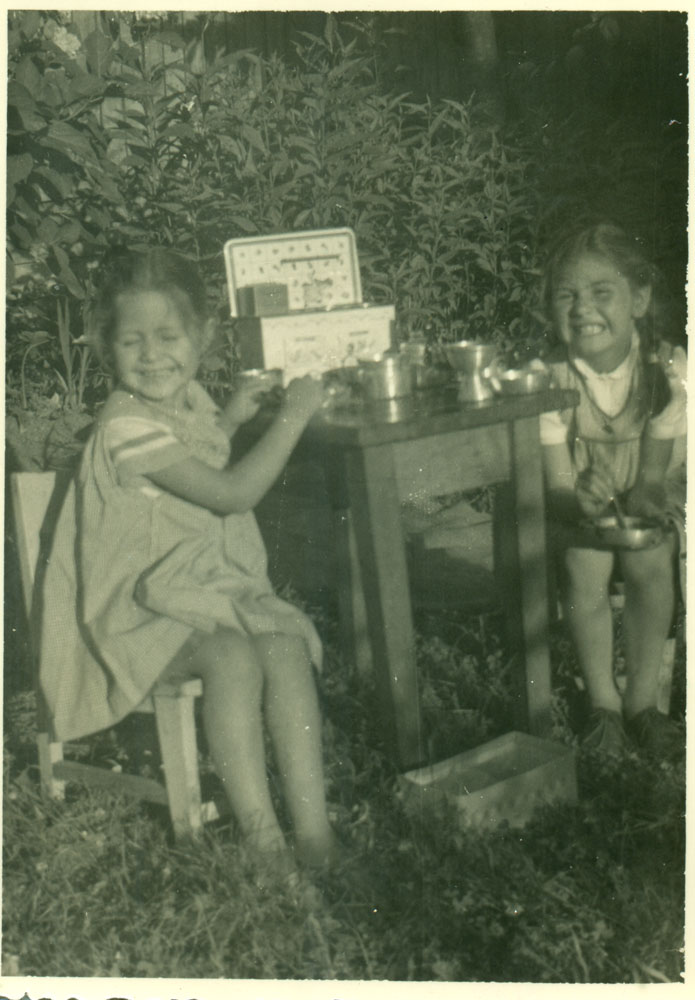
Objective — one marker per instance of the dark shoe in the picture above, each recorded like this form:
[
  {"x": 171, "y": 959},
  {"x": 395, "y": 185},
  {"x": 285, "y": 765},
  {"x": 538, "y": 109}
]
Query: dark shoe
[
  {"x": 656, "y": 734},
  {"x": 321, "y": 856},
  {"x": 273, "y": 870},
  {"x": 604, "y": 733}
]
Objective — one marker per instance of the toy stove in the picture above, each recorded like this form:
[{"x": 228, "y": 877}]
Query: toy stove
[{"x": 297, "y": 301}]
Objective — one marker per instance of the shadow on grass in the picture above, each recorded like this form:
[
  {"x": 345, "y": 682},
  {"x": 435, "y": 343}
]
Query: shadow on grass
[{"x": 592, "y": 892}]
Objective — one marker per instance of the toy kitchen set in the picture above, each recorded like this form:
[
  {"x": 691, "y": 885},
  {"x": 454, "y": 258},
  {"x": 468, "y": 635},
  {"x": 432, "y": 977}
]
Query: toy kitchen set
[{"x": 297, "y": 301}]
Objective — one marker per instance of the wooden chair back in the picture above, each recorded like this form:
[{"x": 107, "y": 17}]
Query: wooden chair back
[{"x": 32, "y": 493}]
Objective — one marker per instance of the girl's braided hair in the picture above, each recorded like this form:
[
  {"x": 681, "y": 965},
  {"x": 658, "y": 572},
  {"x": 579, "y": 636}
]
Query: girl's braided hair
[
  {"x": 628, "y": 256},
  {"x": 153, "y": 270}
]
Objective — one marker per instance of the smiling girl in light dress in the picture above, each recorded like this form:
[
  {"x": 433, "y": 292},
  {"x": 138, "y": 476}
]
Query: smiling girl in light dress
[
  {"x": 158, "y": 568},
  {"x": 625, "y": 439}
]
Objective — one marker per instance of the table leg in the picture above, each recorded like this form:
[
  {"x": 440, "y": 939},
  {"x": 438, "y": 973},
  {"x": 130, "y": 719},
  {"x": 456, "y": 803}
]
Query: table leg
[
  {"x": 352, "y": 612},
  {"x": 522, "y": 571},
  {"x": 373, "y": 494}
]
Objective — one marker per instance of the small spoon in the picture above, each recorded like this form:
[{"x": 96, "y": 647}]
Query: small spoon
[{"x": 619, "y": 513}]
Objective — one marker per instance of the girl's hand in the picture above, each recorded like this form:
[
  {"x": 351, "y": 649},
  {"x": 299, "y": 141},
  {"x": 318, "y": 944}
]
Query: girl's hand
[
  {"x": 646, "y": 500},
  {"x": 594, "y": 490},
  {"x": 243, "y": 405},
  {"x": 303, "y": 397}
]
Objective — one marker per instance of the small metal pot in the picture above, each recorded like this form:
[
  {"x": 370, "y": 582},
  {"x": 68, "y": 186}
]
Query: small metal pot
[
  {"x": 386, "y": 376},
  {"x": 637, "y": 532}
]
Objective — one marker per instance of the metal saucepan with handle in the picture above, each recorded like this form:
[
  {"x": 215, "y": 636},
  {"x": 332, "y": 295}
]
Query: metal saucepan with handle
[{"x": 628, "y": 532}]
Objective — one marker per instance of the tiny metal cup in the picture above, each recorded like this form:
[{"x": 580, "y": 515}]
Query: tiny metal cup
[
  {"x": 339, "y": 384},
  {"x": 263, "y": 380},
  {"x": 469, "y": 357}
]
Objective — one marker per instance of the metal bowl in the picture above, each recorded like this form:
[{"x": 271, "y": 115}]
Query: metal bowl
[
  {"x": 262, "y": 379},
  {"x": 638, "y": 532},
  {"x": 519, "y": 381},
  {"x": 469, "y": 357}
]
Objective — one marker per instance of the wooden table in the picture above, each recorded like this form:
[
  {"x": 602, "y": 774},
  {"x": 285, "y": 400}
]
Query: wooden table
[{"x": 376, "y": 456}]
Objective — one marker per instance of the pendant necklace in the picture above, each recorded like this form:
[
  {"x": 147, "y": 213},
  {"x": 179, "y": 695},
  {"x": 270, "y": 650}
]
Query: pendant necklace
[{"x": 605, "y": 419}]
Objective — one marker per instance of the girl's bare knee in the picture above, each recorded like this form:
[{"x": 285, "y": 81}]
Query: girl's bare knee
[
  {"x": 229, "y": 653},
  {"x": 587, "y": 573},
  {"x": 288, "y": 653},
  {"x": 649, "y": 568}
]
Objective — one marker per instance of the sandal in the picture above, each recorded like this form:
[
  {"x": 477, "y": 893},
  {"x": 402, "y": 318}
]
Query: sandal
[
  {"x": 656, "y": 734},
  {"x": 604, "y": 733}
]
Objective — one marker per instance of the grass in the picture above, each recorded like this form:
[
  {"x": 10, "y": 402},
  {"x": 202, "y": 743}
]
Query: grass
[{"x": 591, "y": 892}]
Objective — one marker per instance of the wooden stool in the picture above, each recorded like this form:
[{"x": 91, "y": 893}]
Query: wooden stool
[{"x": 36, "y": 500}]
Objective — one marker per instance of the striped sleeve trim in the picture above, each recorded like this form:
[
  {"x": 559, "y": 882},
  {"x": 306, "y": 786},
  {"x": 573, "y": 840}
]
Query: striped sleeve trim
[{"x": 138, "y": 446}]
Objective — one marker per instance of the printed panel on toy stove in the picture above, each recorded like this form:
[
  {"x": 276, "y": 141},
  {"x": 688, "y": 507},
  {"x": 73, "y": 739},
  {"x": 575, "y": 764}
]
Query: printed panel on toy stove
[{"x": 297, "y": 299}]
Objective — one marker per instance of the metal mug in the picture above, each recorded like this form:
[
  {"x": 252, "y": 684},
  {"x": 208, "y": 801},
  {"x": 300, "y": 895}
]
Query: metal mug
[{"x": 386, "y": 376}]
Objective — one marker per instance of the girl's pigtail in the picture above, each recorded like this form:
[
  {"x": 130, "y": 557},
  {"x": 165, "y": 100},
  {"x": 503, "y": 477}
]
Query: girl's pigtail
[{"x": 657, "y": 391}]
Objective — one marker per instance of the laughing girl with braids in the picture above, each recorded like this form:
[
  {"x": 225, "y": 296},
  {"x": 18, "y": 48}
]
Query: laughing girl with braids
[{"x": 624, "y": 440}]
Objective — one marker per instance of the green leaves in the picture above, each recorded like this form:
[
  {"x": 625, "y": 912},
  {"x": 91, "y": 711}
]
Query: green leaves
[
  {"x": 190, "y": 157},
  {"x": 18, "y": 169},
  {"x": 22, "y": 111},
  {"x": 68, "y": 139},
  {"x": 99, "y": 51},
  {"x": 65, "y": 273}
]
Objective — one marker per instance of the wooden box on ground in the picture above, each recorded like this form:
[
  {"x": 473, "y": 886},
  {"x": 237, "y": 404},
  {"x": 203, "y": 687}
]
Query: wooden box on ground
[{"x": 504, "y": 779}]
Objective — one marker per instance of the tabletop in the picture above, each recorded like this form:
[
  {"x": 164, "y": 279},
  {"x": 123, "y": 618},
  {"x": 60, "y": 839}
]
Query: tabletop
[{"x": 424, "y": 413}]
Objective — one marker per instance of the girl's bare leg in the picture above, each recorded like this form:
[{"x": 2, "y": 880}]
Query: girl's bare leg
[
  {"x": 232, "y": 675},
  {"x": 294, "y": 723},
  {"x": 587, "y": 611},
  {"x": 649, "y": 604}
]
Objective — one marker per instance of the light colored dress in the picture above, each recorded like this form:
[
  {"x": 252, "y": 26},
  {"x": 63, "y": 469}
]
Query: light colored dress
[
  {"x": 606, "y": 428},
  {"x": 134, "y": 570}
]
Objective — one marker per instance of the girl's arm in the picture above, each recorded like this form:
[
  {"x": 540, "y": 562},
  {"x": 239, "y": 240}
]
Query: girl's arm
[
  {"x": 560, "y": 478},
  {"x": 241, "y": 486},
  {"x": 242, "y": 406},
  {"x": 647, "y": 498},
  {"x": 571, "y": 495}
]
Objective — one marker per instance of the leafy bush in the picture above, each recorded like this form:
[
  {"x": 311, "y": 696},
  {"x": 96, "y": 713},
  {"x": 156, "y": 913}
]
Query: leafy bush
[
  {"x": 196, "y": 154},
  {"x": 62, "y": 187},
  {"x": 133, "y": 138},
  {"x": 437, "y": 201}
]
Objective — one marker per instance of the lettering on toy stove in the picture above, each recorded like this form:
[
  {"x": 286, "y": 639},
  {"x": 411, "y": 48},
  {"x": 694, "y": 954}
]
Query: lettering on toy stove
[{"x": 295, "y": 260}]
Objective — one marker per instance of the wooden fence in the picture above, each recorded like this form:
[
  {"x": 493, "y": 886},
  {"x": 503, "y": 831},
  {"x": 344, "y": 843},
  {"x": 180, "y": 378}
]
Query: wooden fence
[{"x": 428, "y": 51}]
